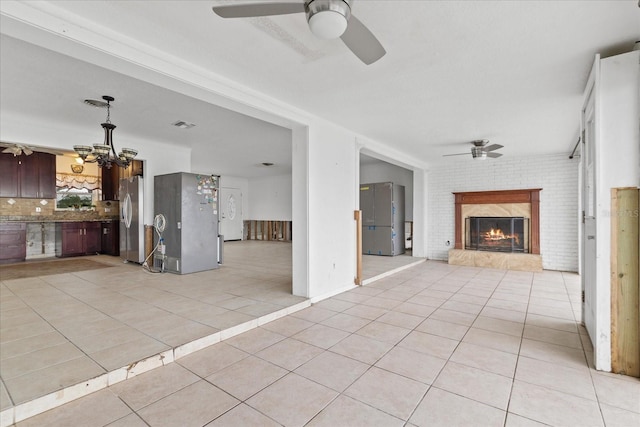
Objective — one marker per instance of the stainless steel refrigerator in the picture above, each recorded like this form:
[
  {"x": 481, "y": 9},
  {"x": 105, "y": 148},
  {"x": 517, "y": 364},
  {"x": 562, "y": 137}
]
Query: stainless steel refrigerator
[
  {"x": 130, "y": 193},
  {"x": 382, "y": 206},
  {"x": 189, "y": 204}
]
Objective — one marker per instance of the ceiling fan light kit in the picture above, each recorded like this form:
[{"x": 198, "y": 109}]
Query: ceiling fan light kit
[
  {"x": 327, "y": 19},
  {"x": 478, "y": 153}
]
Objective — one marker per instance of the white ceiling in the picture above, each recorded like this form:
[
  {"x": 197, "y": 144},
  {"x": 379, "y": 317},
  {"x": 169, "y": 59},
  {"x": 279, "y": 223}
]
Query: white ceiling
[{"x": 455, "y": 71}]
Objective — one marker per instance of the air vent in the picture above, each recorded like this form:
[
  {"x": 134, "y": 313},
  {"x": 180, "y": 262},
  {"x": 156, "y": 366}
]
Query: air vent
[
  {"x": 95, "y": 103},
  {"x": 183, "y": 125}
]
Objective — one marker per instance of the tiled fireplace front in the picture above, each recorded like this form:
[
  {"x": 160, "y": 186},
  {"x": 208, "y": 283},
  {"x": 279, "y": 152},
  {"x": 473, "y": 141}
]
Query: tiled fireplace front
[{"x": 499, "y": 229}]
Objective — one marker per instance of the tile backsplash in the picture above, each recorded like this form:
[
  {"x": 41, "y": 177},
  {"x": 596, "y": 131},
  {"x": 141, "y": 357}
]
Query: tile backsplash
[{"x": 46, "y": 208}]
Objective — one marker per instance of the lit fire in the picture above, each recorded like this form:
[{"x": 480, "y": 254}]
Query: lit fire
[{"x": 497, "y": 234}]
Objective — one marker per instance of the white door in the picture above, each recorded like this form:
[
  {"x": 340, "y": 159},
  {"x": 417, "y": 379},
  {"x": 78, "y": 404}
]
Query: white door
[
  {"x": 589, "y": 299},
  {"x": 231, "y": 222}
]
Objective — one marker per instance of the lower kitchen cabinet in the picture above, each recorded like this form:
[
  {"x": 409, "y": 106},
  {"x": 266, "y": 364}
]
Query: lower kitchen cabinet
[
  {"x": 13, "y": 242},
  {"x": 111, "y": 238},
  {"x": 78, "y": 238}
]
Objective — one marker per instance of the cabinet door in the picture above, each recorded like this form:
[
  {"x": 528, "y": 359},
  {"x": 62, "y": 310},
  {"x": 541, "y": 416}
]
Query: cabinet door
[
  {"x": 46, "y": 175},
  {"x": 13, "y": 240},
  {"x": 92, "y": 237},
  {"x": 28, "y": 172},
  {"x": 8, "y": 175},
  {"x": 134, "y": 169},
  {"x": 111, "y": 238},
  {"x": 37, "y": 174},
  {"x": 110, "y": 182},
  {"x": 72, "y": 236}
]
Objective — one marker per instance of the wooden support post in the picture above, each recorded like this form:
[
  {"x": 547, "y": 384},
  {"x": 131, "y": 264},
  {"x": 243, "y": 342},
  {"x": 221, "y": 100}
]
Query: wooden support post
[
  {"x": 625, "y": 281},
  {"x": 357, "y": 215},
  {"x": 148, "y": 243}
]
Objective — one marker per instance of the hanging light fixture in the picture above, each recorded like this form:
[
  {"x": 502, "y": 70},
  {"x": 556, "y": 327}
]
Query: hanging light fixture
[
  {"x": 105, "y": 154},
  {"x": 327, "y": 19}
]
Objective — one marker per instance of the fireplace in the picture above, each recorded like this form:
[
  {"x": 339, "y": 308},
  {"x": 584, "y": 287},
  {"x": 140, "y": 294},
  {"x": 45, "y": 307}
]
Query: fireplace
[
  {"x": 497, "y": 234},
  {"x": 514, "y": 217}
]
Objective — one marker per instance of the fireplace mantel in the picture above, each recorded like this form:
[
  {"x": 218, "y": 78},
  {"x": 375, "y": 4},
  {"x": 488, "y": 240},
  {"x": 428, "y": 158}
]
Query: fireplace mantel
[{"x": 531, "y": 196}]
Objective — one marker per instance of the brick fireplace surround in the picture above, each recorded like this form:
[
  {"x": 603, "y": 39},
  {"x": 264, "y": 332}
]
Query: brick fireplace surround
[{"x": 527, "y": 200}]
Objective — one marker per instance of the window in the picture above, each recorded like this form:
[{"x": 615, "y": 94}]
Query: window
[{"x": 77, "y": 191}]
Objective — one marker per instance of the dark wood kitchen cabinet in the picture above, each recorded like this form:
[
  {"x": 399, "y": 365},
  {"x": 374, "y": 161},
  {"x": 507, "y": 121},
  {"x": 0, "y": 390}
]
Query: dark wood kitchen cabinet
[
  {"x": 110, "y": 182},
  {"x": 111, "y": 178},
  {"x": 78, "y": 238},
  {"x": 13, "y": 242},
  {"x": 25, "y": 176},
  {"x": 9, "y": 175},
  {"x": 134, "y": 169},
  {"x": 111, "y": 238}
]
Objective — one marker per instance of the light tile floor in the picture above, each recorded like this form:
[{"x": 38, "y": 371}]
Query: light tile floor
[
  {"x": 433, "y": 345},
  {"x": 60, "y": 330}
]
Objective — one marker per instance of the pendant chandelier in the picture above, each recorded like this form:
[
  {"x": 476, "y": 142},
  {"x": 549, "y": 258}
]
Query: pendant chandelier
[{"x": 105, "y": 154}]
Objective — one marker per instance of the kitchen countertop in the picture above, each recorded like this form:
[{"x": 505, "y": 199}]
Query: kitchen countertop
[{"x": 56, "y": 218}]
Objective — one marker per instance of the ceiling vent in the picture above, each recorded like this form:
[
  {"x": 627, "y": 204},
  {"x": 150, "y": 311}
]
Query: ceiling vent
[{"x": 183, "y": 125}]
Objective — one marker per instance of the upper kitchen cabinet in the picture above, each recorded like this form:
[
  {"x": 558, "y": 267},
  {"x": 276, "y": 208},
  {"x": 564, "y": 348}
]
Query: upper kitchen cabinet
[
  {"x": 110, "y": 182},
  {"x": 111, "y": 178},
  {"x": 9, "y": 175},
  {"x": 134, "y": 169},
  {"x": 25, "y": 176}
]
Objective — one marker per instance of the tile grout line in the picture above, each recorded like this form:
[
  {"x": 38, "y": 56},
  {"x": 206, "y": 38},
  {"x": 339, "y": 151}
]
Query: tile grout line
[
  {"x": 515, "y": 368},
  {"x": 16, "y": 410}
]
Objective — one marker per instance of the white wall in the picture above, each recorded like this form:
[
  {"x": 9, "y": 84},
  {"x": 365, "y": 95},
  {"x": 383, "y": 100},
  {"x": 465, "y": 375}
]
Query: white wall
[
  {"x": 270, "y": 198},
  {"x": 556, "y": 175},
  {"x": 617, "y": 161},
  {"x": 331, "y": 199},
  {"x": 386, "y": 172}
]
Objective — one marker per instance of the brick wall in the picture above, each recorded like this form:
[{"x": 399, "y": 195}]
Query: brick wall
[{"x": 555, "y": 174}]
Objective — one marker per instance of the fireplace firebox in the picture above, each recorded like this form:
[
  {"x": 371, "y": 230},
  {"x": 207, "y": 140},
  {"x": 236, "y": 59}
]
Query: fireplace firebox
[{"x": 497, "y": 234}]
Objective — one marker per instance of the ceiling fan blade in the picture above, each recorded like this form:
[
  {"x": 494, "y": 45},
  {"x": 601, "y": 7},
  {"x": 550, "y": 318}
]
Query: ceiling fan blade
[
  {"x": 257, "y": 9},
  {"x": 494, "y": 155},
  {"x": 459, "y": 154},
  {"x": 362, "y": 42},
  {"x": 493, "y": 147},
  {"x": 28, "y": 151}
]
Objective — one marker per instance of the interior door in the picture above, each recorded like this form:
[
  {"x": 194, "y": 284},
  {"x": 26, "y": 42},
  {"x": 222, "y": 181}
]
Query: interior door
[
  {"x": 589, "y": 299},
  {"x": 231, "y": 221}
]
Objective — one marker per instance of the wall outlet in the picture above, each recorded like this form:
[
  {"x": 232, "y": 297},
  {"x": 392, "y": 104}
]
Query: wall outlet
[
  {"x": 38, "y": 209},
  {"x": 107, "y": 210}
]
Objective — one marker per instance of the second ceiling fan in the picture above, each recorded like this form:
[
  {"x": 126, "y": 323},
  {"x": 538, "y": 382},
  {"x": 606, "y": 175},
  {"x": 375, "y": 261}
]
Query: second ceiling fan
[
  {"x": 327, "y": 19},
  {"x": 481, "y": 150}
]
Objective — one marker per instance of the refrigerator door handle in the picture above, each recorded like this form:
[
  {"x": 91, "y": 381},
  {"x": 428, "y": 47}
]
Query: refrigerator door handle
[{"x": 128, "y": 211}]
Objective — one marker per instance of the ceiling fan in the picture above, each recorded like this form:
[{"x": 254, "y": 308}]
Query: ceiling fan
[
  {"x": 481, "y": 150},
  {"x": 327, "y": 19},
  {"x": 18, "y": 149}
]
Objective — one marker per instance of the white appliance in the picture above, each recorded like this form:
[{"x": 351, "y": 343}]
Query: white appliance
[{"x": 131, "y": 192}]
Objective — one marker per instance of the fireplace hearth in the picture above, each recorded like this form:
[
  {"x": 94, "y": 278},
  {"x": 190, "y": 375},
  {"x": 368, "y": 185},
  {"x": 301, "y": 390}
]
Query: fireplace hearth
[{"x": 497, "y": 234}]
